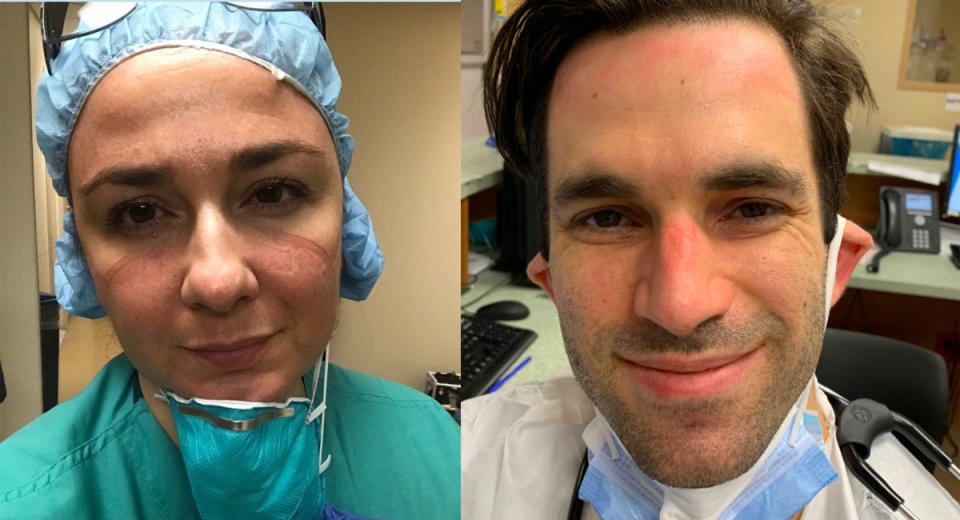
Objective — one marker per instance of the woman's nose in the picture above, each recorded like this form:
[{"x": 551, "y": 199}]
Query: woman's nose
[
  {"x": 682, "y": 284},
  {"x": 218, "y": 275}
]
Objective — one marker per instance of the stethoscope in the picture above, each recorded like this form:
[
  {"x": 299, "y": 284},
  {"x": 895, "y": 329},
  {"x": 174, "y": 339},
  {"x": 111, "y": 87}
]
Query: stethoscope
[{"x": 859, "y": 423}]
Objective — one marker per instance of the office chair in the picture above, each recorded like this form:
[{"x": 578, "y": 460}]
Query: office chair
[{"x": 908, "y": 379}]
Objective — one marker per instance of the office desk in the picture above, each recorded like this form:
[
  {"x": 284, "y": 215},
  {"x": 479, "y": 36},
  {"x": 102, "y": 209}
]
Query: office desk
[
  {"x": 858, "y": 164},
  {"x": 549, "y": 359},
  {"x": 481, "y": 167},
  {"x": 915, "y": 274}
]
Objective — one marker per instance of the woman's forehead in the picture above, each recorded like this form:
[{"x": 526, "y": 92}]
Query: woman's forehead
[
  {"x": 172, "y": 80},
  {"x": 170, "y": 102}
]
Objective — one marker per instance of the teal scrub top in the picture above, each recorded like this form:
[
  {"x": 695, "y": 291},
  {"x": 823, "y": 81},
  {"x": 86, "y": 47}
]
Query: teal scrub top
[{"x": 395, "y": 455}]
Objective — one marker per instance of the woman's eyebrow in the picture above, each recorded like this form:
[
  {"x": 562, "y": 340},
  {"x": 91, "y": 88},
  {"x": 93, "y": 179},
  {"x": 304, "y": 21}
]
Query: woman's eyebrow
[
  {"x": 128, "y": 176},
  {"x": 262, "y": 154},
  {"x": 245, "y": 160}
]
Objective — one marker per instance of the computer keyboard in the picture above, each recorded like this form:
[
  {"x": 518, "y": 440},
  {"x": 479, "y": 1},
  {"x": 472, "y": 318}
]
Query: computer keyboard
[{"x": 487, "y": 350}]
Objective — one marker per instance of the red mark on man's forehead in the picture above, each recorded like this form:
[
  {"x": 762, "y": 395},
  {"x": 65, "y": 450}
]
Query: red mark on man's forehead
[{"x": 737, "y": 55}]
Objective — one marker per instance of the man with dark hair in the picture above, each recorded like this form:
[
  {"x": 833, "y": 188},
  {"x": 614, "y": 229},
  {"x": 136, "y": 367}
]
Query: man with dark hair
[{"x": 691, "y": 155}]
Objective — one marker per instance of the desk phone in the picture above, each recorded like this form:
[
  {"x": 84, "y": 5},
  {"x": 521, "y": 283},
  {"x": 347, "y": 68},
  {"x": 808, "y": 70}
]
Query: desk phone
[{"x": 909, "y": 220}]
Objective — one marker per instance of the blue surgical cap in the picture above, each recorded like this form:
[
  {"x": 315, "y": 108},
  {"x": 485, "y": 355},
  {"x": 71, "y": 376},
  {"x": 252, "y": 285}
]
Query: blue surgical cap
[{"x": 285, "y": 42}]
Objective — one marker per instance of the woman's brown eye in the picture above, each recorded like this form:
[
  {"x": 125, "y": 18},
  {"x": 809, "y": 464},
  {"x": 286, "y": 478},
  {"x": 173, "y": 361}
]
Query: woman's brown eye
[
  {"x": 270, "y": 194},
  {"x": 141, "y": 213}
]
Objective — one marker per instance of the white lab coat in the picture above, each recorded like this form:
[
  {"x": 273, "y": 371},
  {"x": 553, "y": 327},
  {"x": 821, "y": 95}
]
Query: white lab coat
[{"x": 521, "y": 450}]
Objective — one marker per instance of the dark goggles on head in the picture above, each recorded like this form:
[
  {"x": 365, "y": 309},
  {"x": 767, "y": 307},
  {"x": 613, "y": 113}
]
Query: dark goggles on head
[{"x": 54, "y": 14}]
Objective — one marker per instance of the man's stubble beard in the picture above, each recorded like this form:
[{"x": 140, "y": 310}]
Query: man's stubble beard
[{"x": 669, "y": 454}]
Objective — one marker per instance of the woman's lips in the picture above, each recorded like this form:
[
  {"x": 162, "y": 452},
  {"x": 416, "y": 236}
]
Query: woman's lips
[
  {"x": 232, "y": 356},
  {"x": 687, "y": 376}
]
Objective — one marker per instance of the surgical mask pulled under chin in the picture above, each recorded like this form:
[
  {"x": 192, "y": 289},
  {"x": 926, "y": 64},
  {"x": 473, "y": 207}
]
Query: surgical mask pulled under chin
[
  {"x": 791, "y": 471},
  {"x": 255, "y": 460}
]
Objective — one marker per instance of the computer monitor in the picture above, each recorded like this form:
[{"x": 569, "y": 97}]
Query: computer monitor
[
  {"x": 953, "y": 193},
  {"x": 518, "y": 225}
]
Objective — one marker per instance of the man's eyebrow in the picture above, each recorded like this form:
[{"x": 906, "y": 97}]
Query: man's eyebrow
[
  {"x": 261, "y": 155},
  {"x": 770, "y": 175},
  {"x": 593, "y": 186},
  {"x": 243, "y": 161}
]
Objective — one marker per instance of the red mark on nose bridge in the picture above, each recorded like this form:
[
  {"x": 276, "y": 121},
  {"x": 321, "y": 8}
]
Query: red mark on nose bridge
[
  {"x": 680, "y": 256},
  {"x": 677, "y": 240}
]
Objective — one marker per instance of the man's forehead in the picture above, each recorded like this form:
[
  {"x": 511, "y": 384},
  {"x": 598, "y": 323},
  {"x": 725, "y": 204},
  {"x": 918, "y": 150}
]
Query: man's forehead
[
  {"x": 685, "y": 97},
  {"x": 686, "y": 57}
]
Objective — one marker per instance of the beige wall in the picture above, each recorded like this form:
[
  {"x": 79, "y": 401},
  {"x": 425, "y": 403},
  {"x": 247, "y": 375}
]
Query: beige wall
[
  {"x": 400, "y": 66},
  {"x": 19, "y": 320},
  {"x": 50, "y": 207},
  {"x": 880, "y": 28}
]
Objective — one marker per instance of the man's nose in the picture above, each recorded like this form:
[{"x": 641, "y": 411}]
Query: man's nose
[
  {"x": 218, "y": 275},
  {"x": 682, "y": 283}
]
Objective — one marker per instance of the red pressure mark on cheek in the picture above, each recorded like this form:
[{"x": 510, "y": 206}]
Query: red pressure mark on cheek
[
  {"x": 300, "y": 267},
  {"x": 286, "y": 251},
  {"x": 152, "y": 279},
  {"x": 139, "y": 268},
  {"x": 142, "y": 281}
]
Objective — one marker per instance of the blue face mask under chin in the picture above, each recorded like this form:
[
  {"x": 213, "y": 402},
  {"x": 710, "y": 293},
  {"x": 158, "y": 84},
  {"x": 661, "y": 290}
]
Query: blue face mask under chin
[
  {"x": 256, "y": 460},
  {"x": 791, "y": 472}
]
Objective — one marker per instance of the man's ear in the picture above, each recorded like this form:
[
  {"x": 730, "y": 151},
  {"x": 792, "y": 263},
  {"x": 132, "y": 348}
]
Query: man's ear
[
  {"x": 855, "y": 243},
  {"x": 538, "y": 270}
]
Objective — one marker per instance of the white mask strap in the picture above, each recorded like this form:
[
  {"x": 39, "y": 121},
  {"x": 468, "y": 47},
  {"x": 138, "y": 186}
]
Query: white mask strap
[
  {"x": 833, "y": 252},
  {"x": 313, "y": 385},
  {"x": 797, "y": 413},
  {"x": 322, "y": 407}
]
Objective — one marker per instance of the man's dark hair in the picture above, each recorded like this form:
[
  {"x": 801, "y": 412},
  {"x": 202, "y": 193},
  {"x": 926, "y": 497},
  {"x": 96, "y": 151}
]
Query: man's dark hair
[{"x": 529, "y": 48}]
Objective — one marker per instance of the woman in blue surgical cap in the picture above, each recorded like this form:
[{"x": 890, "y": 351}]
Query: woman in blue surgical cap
[{"x": 204, "y": 161}]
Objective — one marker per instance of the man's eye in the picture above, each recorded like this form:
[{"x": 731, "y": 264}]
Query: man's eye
[
  {"x": 607, "y": 225},
  {"x": 756, "y": 210},
  {"x": 606, "y": 218},
  {"x": 753, "y": 216}
]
